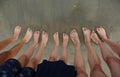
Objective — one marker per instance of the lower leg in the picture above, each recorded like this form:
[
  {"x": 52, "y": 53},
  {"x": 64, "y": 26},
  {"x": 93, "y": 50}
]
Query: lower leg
[
  {"x": 112, "y": 62},
  {"x": 78, "y": 58},
  {"x": 92, "y": 56},
  {"x": 97, "y": 70},
  {"x": 53, "y": 55},
  {"x": 4, "y": 43},
  {"x": 29, "y": 52},
  {"x": 33, "y": 62},
  {"x": 114, "y": 46},
  {"x": 64, "y": 55},
  {"x": 31, "y": 49}
]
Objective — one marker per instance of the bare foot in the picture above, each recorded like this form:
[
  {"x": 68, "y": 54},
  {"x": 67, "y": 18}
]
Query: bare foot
[
  {"x": 86, "y": 33},
  {"x": 56, "y": 38},
  {"x": 28, "y": 35},
  {"x": 65, "y": 39},
  {"x": 74, "y": 36},
  {"x": 17, "y": 31},
  {"x": 44, "y": 38},
  {"x": 102, "y": 33},
  {"x": 94, "y": 37},
  {"x": 36, "y": 37}
]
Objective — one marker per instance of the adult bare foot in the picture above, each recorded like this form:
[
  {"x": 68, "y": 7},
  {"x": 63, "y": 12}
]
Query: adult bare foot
[
  {"x": 44, "y": 38},
  {"x": 65, "y": 39},
  {"x": 56, "y": 38},
  {"x": 28, "y": 35},
  {"x": 17, "y": 31},
  {"x": 101, "y": 32},
  {"x": 86, "y": 33},
  {"x": 95, "y": 38},
  {"x": 74, "y": 36},
  {"x": 36, "y": 37}
]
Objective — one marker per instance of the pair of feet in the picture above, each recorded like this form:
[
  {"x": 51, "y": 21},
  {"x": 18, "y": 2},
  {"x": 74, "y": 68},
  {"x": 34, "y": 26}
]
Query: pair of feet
[
  {"x": 65, "y": 39},
  {"x": 88, "y": 35},
  {"x": 17, "y": 31}
]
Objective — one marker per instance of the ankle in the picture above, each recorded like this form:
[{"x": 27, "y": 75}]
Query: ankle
[
  {"x": 56, "y": 45},
  {"x": 35, "y": 43},
  {"x": 42, "y": 45},
  {"x": 87, "y": 42},
  {"x": 13, "y": 38},
  {"x": 78, "y": 44},
  {"x": 100, "y": 43},
  {"x": 65, "y": 46},
  {"x": 106, "y": 39},
  {"x": 23, "y": 41}
]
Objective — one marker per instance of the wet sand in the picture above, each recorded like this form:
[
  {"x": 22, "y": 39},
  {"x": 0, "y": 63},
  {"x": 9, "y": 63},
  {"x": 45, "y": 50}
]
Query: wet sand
[{"x": 61, "y": 16}]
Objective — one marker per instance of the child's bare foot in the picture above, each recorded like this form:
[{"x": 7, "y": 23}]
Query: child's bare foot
[
  {"x": 101, "y": 32},
  {"x": 65, "y": 39},
  {"x": 36, "y": 37},
  {"x": 28, "y": 35},
  {"x": 86, "y": 33},
  {"x": 74, "y": 36},
  {"x": 56, "y": 38},
  {"x": 94, "y": 37},
  {"x": 44, "y": 38},
  {"x": 17, "y": 31}
]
